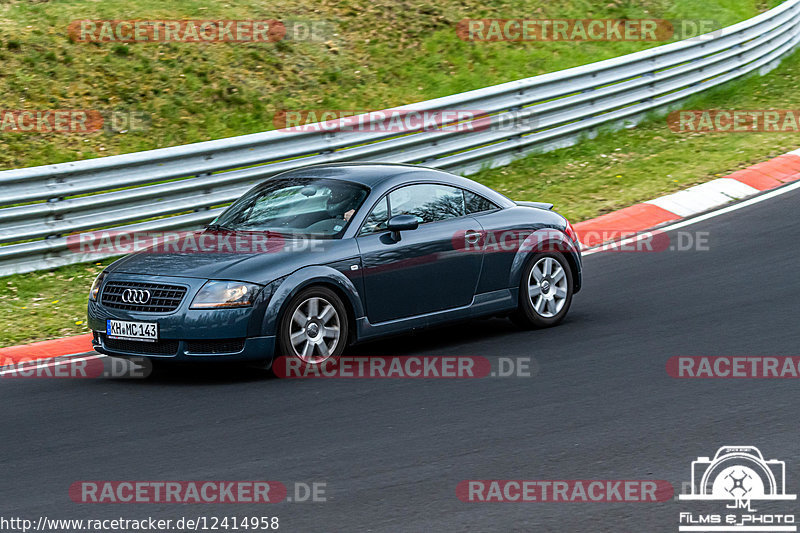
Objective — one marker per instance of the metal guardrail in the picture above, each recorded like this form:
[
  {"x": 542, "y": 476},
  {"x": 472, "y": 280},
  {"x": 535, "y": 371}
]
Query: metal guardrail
[{"x": 183, "y": 187}]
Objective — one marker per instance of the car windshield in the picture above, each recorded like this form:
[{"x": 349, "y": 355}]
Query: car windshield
[{"x": 308, "y": 206}]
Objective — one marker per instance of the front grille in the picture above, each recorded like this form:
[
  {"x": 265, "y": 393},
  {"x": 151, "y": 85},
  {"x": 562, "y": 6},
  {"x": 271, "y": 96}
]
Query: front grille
[
  {"x": 215, "y": 346},
  {"x": 163, "y": 298},
  {"x": 165, "y": 347}
]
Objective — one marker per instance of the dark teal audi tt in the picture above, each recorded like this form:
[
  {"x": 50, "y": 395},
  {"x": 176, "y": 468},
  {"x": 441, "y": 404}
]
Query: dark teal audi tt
[{"x": 318, "y": 258}]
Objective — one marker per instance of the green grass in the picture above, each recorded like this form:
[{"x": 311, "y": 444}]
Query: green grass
[
  {"x": 410, "y": 56},
  {"x": 385, "y": 53},
  {"x": 46, "y": 305}
]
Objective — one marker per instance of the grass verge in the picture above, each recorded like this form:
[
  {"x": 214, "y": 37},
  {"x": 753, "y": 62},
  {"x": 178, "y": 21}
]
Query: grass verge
[
  {"x": 383, "y": 53},
  {"x": 46, "y": 305}
]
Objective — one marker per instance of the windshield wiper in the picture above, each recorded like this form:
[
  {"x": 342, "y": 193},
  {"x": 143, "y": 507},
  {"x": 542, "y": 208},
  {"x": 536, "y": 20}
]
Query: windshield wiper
[{"x": 219, "y": 227}]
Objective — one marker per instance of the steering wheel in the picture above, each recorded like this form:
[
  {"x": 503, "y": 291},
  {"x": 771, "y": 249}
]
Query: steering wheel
[{"x": 337, "y": 209}]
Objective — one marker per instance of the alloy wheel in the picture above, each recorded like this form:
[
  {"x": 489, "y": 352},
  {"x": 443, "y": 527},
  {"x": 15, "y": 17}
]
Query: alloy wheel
[
  {"x": 547, "y": 287},
  {"x": 315, "y": 330}
]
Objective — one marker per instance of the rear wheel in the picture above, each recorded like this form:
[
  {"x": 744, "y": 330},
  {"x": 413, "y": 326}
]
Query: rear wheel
[
  {"x": 314, "y": 326},
  {"x": 545, "y": 291}
]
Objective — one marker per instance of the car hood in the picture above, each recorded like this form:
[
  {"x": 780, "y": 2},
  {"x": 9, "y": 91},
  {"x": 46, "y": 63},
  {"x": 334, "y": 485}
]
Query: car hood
[{"x": 258, "y": 267}]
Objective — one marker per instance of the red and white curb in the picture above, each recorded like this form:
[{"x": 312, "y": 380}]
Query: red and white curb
[
  {"x": 690, "y": 202},
  {"x": 626, "y": 222},
  {"x": 46, "y": 349}
]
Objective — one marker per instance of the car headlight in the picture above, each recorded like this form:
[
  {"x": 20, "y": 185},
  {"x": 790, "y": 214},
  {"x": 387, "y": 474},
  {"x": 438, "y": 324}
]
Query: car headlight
[
  {"x": 225, "y": 294},
  {"x": 98, "y": 281}
]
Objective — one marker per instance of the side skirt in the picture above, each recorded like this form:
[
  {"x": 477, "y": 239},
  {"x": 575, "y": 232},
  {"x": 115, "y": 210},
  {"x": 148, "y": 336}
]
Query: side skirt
[{"x": 488, "y": 303}]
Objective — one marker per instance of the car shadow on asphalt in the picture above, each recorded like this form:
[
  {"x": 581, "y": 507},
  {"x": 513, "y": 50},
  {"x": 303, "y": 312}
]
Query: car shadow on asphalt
[{"x": 478, "y": 334}]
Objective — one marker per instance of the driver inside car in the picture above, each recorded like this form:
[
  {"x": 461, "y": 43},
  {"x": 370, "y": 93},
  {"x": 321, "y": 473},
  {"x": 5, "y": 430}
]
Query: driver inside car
[{"x": 340, "y": 207}]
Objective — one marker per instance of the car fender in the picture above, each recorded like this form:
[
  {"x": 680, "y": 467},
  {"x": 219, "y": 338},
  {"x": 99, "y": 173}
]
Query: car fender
[
  {"x": 545, "y": 239},
  {"x": 304, "y": 277}
]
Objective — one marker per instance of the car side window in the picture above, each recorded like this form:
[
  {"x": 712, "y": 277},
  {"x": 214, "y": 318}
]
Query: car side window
[
  {"x": 428, "y": 202},
  {"x": 376, "y": 220},
  {"x": 475, "y": 203}
]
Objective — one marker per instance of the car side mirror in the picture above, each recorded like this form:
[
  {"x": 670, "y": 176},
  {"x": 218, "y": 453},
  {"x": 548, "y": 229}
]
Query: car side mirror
[{"x": 399, "y": 223}]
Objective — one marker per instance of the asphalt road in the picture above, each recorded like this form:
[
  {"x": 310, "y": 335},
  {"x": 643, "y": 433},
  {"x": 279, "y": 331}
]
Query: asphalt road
[{"x": 391, "y": 452}]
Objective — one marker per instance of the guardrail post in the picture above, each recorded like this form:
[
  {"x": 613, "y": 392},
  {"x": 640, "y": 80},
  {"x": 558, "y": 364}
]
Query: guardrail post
[
  {"x": 206, "y": 190},
  {"x": 55, "y": 217}
]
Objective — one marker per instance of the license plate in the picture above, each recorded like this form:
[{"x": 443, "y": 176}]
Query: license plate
[{"x": 135, "y": 331}]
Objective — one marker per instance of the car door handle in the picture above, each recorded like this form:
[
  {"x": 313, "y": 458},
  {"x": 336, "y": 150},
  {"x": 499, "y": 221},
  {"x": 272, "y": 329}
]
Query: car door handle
[{"x": 472, "y": 237}]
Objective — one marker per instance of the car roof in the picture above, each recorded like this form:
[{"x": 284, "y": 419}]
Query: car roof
[
  {"x": 367, "y": 173},
  {"x": 380, "y": 176}
]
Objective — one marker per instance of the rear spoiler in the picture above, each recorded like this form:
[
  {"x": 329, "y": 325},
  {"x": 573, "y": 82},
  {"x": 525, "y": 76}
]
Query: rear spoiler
[{"x": 537, "y": 205}]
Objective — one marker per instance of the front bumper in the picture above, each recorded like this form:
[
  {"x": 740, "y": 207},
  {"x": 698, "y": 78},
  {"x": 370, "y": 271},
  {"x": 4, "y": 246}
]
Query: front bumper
[
  {"x": 247, "y": 349},
  {"x": 186, "y": 334}
]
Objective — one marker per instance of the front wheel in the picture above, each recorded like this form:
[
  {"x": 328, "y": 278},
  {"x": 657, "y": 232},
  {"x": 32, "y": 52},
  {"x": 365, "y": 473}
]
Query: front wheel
[
  {"x": 545, "y": 291},
  {"x": 314, "y": 326}
]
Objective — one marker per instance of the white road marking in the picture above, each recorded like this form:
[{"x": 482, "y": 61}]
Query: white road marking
[
  {"x": 695, "y": 220},
  {"x": 704, "y": 196}
]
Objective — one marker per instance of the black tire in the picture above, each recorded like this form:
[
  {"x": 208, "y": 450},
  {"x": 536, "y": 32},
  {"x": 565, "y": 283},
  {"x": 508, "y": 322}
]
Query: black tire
[
  {"x": 317, "y": 329},
  {"x": 546, "y": 309}
]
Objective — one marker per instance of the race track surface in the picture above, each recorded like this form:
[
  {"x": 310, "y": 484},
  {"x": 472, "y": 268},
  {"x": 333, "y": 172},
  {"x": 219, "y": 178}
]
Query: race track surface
[{"x": 392, "y": 451}]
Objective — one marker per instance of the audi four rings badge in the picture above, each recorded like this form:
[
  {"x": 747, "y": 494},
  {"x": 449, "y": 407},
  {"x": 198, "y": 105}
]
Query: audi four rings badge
[{"x": 135, "y": 296}]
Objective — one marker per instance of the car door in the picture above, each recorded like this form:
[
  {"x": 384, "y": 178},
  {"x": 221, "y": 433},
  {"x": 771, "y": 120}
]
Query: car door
[{"x": 422, "y": 272}]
